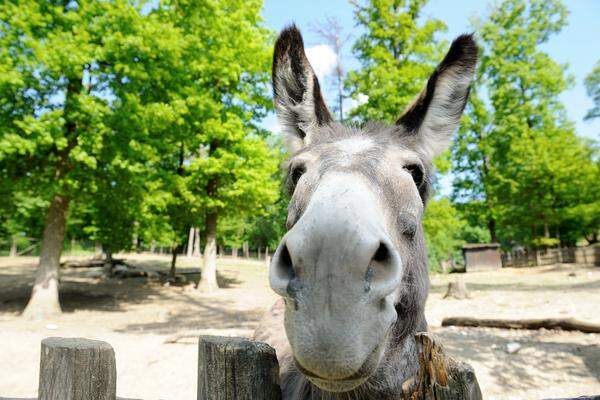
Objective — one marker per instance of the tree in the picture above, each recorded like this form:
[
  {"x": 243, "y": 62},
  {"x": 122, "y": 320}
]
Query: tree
[
  {"x": 397, "y": 53},
  {"x": 472, "y": 185},
  {"x": 53, "y": 112},
  {"x": 226, "y": 63},
  {"x": 592, "y": 86},
  {"x": 516, "y": 155},
  {"x": 84, "y": 83}
]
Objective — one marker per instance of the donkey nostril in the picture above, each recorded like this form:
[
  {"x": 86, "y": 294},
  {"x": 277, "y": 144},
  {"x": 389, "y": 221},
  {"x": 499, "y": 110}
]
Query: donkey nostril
[
  {"x": 284, "y": 267},
  {"x": 382, "y": 253},
  {"x": 282, "y": 271},
  {"x": 384, "y": 272},
  {"x": 285, "y": 260}
]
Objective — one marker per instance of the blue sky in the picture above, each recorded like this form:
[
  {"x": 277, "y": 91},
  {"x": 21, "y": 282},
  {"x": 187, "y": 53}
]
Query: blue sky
[{"x": 578, "y": 44}]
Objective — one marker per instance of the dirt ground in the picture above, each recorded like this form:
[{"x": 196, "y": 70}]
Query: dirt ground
[{"x": 136, "y": 316}]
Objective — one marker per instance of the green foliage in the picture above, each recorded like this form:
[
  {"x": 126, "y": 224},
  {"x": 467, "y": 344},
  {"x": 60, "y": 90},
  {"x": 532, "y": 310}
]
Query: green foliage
[
  {"x": 397, "y": 52},
  {"x": 225, "y": 166},
  {"x": 592, "y": 85},
  {"x": 545, "y": 242},
  {"x": 519, "y": 165},
  {"x": 145, "y": 120},
  {"x": 58, "y": 114},
  {"x": 443, "y": 231}
]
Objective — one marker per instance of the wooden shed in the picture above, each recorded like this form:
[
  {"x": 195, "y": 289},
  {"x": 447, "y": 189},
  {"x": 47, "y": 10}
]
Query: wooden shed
[{"x": 482, "y": 256}]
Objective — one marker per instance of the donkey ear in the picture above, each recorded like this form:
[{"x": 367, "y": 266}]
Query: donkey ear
[
  {"x": 435, "y": 113},
  {"x": 298, "y": 100}
]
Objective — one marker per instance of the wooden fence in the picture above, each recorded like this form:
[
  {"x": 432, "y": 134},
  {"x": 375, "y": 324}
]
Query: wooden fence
[
  {"x": 229, "y": 369},
  {"x": 581, "y": 255},
  {"x": 233, "y": 369}
]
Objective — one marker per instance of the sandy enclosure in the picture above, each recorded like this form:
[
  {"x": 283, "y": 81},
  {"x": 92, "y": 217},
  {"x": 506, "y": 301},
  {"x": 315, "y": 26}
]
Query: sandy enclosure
[{"x": 137, "y": 316}]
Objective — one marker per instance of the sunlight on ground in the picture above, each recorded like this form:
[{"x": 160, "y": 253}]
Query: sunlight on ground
[{"x": 137, "y": 316}]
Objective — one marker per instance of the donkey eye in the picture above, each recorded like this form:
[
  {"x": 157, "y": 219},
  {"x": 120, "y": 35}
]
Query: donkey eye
[
  {"x": 410, "y": 231},
  {"x": 296, "y": 173},
  {"x": 416, "y": 172}
]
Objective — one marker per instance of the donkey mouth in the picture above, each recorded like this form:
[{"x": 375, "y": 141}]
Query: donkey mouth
[
  {"x": 347, "y": 383},
  {"x": 337, "y": 386}
]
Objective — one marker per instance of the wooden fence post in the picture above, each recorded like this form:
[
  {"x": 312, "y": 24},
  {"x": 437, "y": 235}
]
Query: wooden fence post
[
  {"x": 440, "y": 376},
  {"x": 236, "y": 369},
  {"x": 77, "y": 369}
]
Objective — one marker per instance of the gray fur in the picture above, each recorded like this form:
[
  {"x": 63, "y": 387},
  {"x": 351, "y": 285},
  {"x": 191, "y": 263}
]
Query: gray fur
[{"x": 350, "y": 312}]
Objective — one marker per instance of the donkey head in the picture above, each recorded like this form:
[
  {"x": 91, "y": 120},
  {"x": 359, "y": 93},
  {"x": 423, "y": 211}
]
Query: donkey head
[{"x": 352, "y": 267}]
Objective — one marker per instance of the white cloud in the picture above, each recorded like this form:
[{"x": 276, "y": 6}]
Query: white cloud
[
  {"x": 271, "y": 124},
  {"x": 358, "y": 101},
  {"x": 323, "y": 60}
]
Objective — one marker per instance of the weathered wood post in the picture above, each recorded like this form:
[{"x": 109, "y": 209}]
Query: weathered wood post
[
  {"x": 77, "y": 369},
  {"x": 440, "y": 376},
  {"x": 236, "y": 369}
]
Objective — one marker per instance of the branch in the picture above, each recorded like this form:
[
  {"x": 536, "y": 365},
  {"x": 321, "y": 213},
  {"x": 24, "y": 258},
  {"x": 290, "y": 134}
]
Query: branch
[{"x": 548, "y": 323}]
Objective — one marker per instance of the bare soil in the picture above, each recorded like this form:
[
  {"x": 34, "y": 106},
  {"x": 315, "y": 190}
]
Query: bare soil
[{"x": 137, "y": 316}]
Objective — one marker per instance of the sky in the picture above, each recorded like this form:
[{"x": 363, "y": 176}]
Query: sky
[{"x": 578, "y": 44}]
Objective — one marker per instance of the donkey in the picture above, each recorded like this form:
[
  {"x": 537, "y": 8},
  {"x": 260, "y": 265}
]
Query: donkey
[{"x": 352, "y": 268}]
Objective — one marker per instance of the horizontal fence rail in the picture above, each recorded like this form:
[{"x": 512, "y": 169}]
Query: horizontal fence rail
[{"x": 530, "y": 258}]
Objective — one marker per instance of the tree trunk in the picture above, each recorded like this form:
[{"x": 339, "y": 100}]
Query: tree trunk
[
  {"x": 196, "y": 242},
  {"x": 208, "y": 279},
  {"x": 492, "y": 228},
  {"x": 44, "y": 297},
  {"x": 108, "y": 264},
  {"x": 98, "y": 250},
  {"x": 457, "y": 290},
  {"x": 173, "y": 260},
  {"x": 135, "y": 239},
  {"x": 190, "y": 244},
  {"x": 13, "y": 246}
]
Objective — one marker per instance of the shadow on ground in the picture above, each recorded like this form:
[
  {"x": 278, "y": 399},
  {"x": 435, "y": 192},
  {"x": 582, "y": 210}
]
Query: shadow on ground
[
  {"x": 200, "y": 313},
  {"x": 80, "y": 291},
  {"x": 535, "y": 359}
]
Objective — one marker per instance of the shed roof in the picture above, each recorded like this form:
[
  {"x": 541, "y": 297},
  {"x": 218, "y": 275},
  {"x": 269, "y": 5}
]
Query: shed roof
[{"x": 479, "y": 246}]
